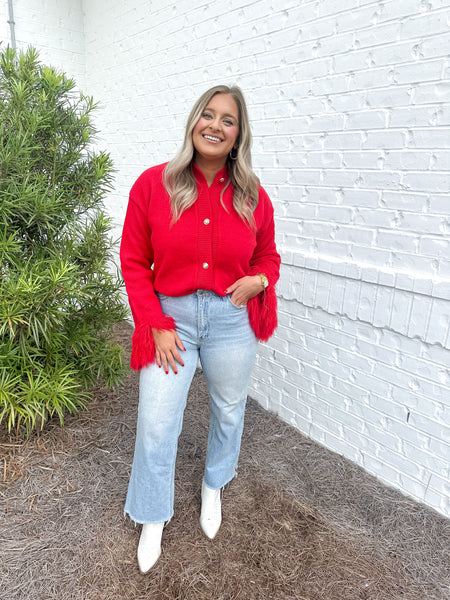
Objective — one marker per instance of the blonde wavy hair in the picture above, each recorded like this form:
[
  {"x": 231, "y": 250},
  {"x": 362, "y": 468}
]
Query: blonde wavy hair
[{"x": 179, "y": 178}]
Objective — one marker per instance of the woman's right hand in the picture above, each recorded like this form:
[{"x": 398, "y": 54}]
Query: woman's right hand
[{"x": 167, "y": 343}]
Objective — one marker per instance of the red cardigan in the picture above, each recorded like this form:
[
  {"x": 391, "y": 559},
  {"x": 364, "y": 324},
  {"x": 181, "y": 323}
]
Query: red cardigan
[{"x": 208, "y": 248}]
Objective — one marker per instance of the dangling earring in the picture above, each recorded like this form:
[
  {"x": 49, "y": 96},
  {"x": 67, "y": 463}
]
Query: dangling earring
[{"x": 234, "y": 155}]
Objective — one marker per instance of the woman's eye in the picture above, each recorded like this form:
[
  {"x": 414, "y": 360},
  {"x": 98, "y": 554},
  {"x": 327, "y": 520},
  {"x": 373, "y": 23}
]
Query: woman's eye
[
  {"x": 228, "y": 122},
  {"x": 206, "y": 116}
]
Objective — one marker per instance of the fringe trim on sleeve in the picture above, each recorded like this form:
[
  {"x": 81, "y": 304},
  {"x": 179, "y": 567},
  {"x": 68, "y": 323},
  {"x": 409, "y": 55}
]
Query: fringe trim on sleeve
[
  {"x": 262, "y": 313},
  {"x": 143, "y": 352}
]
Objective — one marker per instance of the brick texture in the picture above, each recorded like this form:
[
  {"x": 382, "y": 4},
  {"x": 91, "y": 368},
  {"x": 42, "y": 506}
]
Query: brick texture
[
  {"x": 56, "y": 29},
  {"x": 351, "y": 121}
]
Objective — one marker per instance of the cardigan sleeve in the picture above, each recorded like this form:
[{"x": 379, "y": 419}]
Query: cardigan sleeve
[
  {"x": 265, "y": 257},
  {"x": 262, "y": 309},
  {"x": 136, "y": 256}
]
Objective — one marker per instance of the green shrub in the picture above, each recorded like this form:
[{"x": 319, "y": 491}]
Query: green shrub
[{"x": 59, "y": 298}]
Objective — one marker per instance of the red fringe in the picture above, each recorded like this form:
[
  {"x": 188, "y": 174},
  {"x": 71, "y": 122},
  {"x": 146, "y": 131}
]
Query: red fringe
[
  {"x": 262, "y": 314},
  {"x": 143, "y": 352}
]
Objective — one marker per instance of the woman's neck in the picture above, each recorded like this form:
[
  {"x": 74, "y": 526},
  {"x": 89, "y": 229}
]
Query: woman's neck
[{"x": 209, "y": 168}]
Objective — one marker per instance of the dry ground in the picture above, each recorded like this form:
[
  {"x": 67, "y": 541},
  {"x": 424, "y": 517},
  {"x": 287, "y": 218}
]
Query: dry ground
[{"x": 300, "y": 523}]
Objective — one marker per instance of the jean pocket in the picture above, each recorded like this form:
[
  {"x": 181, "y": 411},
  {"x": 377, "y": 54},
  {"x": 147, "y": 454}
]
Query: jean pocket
[
  {"x": 235, "y": 305},
  {"x": 162, "y": 296}
]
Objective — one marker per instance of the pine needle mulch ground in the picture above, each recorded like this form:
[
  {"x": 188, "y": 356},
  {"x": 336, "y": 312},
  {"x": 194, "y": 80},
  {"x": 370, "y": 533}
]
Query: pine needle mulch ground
[{"x": 300, "y": 523}]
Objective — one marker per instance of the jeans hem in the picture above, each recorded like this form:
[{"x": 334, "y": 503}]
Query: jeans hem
[
  {"x": 140, "y": 522},
  {"x": 223, "y": 485}
]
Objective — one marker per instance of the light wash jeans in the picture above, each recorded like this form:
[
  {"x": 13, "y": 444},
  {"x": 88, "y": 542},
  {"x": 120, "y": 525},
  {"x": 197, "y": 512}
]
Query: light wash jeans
[{"x": 217, "y": 331}]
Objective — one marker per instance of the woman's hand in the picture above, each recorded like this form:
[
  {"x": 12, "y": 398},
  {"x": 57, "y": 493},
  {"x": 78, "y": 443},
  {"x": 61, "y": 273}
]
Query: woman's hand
[
  {"x": 244, "y": 288},
  {"x": 167, "y": 342}
]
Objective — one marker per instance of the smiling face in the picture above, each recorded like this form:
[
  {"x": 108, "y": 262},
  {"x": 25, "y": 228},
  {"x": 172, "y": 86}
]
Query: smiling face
[{"x": 216, "y": 131}]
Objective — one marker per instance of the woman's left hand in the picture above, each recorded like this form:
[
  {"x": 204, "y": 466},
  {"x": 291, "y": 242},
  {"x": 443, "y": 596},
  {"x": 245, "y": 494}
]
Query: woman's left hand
[{"x": 244, "y": 288}]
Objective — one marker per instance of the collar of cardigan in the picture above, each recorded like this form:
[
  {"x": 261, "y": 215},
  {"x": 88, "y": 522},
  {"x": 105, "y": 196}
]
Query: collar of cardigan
[{"x": 222, "y": 174}]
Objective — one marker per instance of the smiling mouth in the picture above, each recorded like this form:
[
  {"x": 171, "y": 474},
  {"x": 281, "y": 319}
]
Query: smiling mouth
[{"x": 211, "y": 138}]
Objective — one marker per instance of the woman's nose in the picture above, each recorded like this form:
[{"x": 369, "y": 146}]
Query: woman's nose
[{"x": 215, "y": 124}]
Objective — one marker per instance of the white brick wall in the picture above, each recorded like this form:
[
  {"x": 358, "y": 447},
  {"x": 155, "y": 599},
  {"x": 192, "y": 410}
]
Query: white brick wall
[
  {"x": 351, "y": 119},
  {"x": 55, "y": 28},
  {"x": 5, "y": 36}
]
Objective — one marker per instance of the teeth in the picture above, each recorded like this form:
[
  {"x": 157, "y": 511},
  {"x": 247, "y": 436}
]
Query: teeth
[{"x": 213, "y": 139}]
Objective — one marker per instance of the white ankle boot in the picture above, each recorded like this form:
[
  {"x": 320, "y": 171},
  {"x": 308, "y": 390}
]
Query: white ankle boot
[
  {"x": 211, "y": 513},
  {"x": 149, "y": 549}
]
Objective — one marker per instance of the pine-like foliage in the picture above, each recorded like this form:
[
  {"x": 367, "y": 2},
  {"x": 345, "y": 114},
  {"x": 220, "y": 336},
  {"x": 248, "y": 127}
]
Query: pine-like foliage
[{"x": 58, "y": 296}]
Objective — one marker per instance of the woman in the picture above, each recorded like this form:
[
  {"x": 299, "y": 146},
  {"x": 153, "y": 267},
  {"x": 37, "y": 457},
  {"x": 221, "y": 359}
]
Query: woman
[{"x": 199, "y": 261}]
